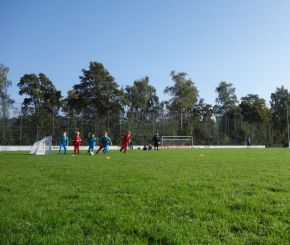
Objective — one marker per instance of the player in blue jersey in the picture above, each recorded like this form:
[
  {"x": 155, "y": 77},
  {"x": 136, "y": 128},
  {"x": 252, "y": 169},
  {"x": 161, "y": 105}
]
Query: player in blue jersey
[
  {"x": 106, "y": 142},
  {"x": 92, "y": 140},
  {"x": 63, "y": 143}
]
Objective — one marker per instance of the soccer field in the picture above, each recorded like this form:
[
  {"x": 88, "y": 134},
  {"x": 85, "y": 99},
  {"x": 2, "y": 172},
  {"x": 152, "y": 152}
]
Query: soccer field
[{"x": 205, "y": 196}]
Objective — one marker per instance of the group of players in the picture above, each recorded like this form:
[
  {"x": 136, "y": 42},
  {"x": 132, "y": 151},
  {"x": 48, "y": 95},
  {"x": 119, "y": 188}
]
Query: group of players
[{"x": 104, "y": 143}]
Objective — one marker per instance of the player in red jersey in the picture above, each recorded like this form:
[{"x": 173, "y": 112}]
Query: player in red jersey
[
  {"x": 125, "y": 141},
  {"x": 77, "y": 142},
  {"x": 100, "y": 147}
]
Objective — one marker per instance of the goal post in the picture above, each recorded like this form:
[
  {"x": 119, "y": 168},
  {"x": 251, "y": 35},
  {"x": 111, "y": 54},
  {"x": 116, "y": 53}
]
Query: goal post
[
  {"x": 182, "y": 142},
  {"x": 42, "y": 147}
]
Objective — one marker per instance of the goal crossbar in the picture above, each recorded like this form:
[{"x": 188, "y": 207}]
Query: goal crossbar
[{"x": 177, "y": 141}]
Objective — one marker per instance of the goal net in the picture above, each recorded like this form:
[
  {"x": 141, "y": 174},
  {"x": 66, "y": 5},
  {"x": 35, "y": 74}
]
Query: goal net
[
  {"x": 42, "y": 147},
  {"x": 177, "y": 142}
]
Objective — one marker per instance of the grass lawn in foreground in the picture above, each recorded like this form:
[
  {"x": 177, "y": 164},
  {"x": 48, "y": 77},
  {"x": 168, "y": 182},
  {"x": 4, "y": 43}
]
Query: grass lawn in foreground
[{"x": 199, "y": 196}]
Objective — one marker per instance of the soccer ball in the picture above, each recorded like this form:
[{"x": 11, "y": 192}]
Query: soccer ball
[
  {"x": 91, "y": 153},
  {"x": 107, "y": 158}
]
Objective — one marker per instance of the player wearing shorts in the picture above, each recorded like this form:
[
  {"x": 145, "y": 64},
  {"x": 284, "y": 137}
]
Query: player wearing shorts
[
  {"x": 106, "y": 142},
  {"x": 126, "y": 141},
  {"x": 100, "y": 147},
  {"x": 77, "y": 142},
  {"x": 92, "y": 142},
  {"x": 63, "y": 143},
  {"x": 156, "y": 141}
]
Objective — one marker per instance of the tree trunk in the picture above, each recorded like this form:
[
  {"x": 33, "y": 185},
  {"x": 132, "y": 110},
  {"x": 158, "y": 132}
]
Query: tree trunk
[
  {"x": 120, "y": 126},
  {"x": 3, "y": 122},
  {"x": 68, "y": 120},
  {"x": 108, "y": 119},
  {"x": 82, "y": 122},
  {"x": 95, "y": 122},
  {"x": 37, "y": 122},
  {"x": 4, "y": 116},
  {"x": 153, "y": 123},
  {"x": 20, "y": 131},
  {"x": 181, "y": 121},
  {"x": 53, "y": 122}
]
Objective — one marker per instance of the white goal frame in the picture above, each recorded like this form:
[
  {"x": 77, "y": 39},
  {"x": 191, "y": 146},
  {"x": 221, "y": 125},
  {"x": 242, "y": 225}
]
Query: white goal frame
[
  {"x": 177, "y": 139},
  {"x": 42, "y": 147}
]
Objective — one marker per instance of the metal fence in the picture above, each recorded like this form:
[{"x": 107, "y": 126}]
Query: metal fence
[{"x": 21, "y": 130}]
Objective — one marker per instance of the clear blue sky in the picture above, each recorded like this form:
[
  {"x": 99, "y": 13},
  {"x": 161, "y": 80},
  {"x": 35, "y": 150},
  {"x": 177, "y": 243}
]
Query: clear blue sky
[{"x": 246, "y": 42}]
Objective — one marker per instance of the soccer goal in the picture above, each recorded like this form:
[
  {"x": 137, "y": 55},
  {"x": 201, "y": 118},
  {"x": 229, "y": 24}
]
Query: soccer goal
[
  {"x": 185, "y": 142},
  {"x": 42, "y": 147}
]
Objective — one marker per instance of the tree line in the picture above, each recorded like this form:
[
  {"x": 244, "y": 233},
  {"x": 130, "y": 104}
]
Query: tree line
[{"x": 97, "y": 103}]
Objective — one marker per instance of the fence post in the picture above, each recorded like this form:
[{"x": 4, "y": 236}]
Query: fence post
[
  {"x": 68, "y": 120},
  {"x": 82, "y": 121},
  {"x": 20, "y": 131}
]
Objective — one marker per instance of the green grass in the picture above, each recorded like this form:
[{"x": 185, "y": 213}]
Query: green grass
[{"x": 208, "y": 196}]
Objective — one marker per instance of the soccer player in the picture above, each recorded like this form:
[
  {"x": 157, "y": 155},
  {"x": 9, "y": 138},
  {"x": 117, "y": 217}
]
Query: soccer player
[
  {"x": 156, "y": 141},
  {"x": 126, "y": 141},
  {"x": 100, "y": 147},
  {"x": 92, "y": 142},
  {"x": 106, "y": 142},
  {"x": 63, "y": 143},
  {"x": 77, "y": 142},
  {"x": 249, "y": 142}
]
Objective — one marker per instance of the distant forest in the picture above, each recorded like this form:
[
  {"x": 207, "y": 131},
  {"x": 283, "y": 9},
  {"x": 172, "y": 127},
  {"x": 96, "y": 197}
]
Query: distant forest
[{"x": 97, "y": 103}]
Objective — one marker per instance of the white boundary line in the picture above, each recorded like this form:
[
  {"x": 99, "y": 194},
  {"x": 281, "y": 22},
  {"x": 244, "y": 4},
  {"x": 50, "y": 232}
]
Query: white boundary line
[{"x": 135, "y": 147}]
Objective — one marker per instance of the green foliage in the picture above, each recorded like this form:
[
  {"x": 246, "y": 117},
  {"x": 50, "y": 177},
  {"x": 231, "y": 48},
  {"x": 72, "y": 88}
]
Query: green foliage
[
  {"x": 214, "y": 196},
  {"x": 143, "y": 109},
  {"x": 96, "y": 100},
  {"x": 141, "y": 97},
  {"x": 280, "y": 101},
  {"x": 226, "y": 97},
  {"x": 184, "y": 94},
  {"x": 5, "y": 102},
  {"x": 97, "y": 90},
  {"x": 184, "y": 97},
  {"x": 254, "y": 109},
  {"x": 41, "y": 104},
  {"x": 97, "y": 103}
]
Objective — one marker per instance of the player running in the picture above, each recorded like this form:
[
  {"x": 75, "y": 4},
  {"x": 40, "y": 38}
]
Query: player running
[
  {"x": 100, "y": 147},
  {"x": 77, "y": 142},
  {"x": 106, "y": 142},
  {"x": 63, "y": 143},
  {"x": 127, "y": 138},
  {"x": 92, "y": 140},
  {"x": 156, "y": 141}
]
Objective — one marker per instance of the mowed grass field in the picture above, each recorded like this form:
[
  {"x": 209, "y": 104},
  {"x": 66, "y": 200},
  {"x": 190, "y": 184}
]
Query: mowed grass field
[{"x": 206, "y": 196}]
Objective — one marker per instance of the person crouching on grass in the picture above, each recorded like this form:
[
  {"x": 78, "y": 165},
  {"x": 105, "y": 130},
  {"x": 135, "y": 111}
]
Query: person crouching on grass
[
  {"x": 63, "y": 143},
  {"x": 77, "y": 142},
  {"x": 126, "y": 141},
  {"x": 92, "y": 142}
]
